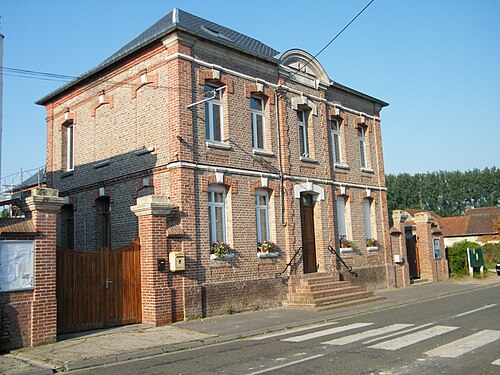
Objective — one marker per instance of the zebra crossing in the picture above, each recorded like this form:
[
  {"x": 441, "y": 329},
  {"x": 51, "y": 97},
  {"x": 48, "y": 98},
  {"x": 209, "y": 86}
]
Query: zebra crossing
[{"x": 390, "y": 337}]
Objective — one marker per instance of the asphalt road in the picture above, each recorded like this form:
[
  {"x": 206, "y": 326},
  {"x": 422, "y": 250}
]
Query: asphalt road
[{"x": 455, "y": 334}]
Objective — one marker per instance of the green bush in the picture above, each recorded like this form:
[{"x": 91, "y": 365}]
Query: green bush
[
  {"x": 457, "y": 257},
  {"x": 491, "y": 254}
]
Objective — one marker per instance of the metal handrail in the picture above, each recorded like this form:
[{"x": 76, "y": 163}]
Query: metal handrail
[
  {"x": 289, "y": 264},
  {"x": 348, "y": 268}
]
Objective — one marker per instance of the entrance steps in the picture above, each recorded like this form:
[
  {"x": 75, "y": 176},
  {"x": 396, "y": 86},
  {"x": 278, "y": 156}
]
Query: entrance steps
[{"x": 323, "y": 291}]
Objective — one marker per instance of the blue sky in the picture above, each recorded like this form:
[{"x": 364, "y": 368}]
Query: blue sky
[{"x": 437, "y": 62}]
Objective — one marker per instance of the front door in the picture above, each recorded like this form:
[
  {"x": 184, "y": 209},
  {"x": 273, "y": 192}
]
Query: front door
[
  {"x": 412, "y": 253},
  {"x": 307, "y": 220}
]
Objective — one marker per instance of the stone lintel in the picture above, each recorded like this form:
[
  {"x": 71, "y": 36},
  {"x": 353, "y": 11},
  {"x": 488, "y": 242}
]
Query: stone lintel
[
  {"x": 44, "y": 199},
  {"x": 154, "y": 205}
]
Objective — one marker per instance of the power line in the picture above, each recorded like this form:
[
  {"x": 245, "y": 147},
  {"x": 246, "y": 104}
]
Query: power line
[{"x": 331, "y": 41}]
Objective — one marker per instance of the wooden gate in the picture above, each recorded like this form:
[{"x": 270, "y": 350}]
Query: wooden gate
[{"x": 98, "y": 289}]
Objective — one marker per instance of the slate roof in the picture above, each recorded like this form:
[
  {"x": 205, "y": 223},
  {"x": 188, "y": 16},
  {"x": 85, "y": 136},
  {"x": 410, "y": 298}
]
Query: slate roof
[{"x": 179, "y": 19}]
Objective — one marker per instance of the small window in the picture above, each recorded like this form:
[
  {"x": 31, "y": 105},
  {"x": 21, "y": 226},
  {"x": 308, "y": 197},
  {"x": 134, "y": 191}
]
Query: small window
[
  {"x": 335, "y": 129},
  {"x": 258, "y": 128},
  {"x": 217, "y": 213},
  {"x": 302, "y": 125},
  {"x": 213, "y": 113},
  {"x": 262, "y": 213},
  {"x": 361, "y": 145},
  {"x": 70, "y": 149}
]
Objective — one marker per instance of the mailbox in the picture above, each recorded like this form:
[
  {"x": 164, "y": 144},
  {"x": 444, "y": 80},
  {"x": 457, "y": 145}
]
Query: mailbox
[
  {"x": 177, "y": 261},
  {"x": 398, "y": 258}
]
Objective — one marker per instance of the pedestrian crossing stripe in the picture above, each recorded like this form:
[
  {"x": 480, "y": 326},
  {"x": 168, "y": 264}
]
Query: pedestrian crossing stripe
[
  {"x": 367, "y": 334},
  {"x": 497, "y": 362},
  {"x": 313, "y": 335},
  {"x": 459, "y": 347},
  {"x": 413, "y": 338},
  {"x": 290, "y": 331}
]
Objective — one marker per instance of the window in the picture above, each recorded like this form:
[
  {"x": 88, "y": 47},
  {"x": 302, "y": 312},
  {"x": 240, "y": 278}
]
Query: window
[
  {"x": 341, "y": 218},
  {"x": 258, "y": 130},
  {"x": 302, "y": 123},
  {"x": 68, "y": 218},
  {"x": 217, "y": 213},
  {"x": 262, "y": 213},
  {"x": 213, "y": 114},
  {"x": 361, "y": 144},
  {"x": 104, "y": 216},
  {"x": 367, "y": 208},
  {"x": 70, "y": 164},
  {"x": 336, "y": 141}
]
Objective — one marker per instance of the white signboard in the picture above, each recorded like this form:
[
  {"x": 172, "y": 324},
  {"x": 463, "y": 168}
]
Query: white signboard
[{"x": 16, "y": 265}]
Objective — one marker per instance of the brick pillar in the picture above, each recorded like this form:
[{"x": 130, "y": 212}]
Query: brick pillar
[
  {"x": 428, "y": 266},
  {"x": 44, "y": 204},
  {"x": 398, "y": 247},
  {"x": 155, "y": 291}
]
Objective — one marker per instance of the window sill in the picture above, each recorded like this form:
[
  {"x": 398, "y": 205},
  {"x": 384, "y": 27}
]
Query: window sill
[
  {"x": 101, "y": 164},
  {"x": 372, "y": 249},
  {"x": 341, "y": 166},
  {"x": 219, "y": 145},
  {"x": 368, "y": 170},
  {"x": 67, "y": 174},
  {"x": 308, "y": 160},
  {"x": 144, "y": 151},
  {"x": 262, "y": 152},
  {"x": 271, "y": 254},
  {"x": 346, "y": 250}
]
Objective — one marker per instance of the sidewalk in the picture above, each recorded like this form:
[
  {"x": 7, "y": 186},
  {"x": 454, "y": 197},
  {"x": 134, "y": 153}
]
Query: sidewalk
[{"x": 94, "y": 348}]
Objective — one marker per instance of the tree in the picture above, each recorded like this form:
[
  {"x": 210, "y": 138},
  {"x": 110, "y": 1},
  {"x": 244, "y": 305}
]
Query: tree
[{"x": 446, "y": 193}]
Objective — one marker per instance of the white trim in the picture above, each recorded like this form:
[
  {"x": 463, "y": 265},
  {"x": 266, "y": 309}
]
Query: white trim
[
  {"x": 177, "y": 55},
  {"x": 70, "y": 147},
  {"x": 243, "y": 172},
  {"x": 318, "y": 191}
]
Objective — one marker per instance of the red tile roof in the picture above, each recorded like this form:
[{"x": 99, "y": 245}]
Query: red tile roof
[{"x": 16, "y": 225}]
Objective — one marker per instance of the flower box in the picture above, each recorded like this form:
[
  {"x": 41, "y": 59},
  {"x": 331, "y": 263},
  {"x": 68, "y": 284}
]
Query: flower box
[
  {"x": 270, "y": 254},
  {"x": 346, "y": 250},
  {"x": 226, "y": 258},
  {"x": 372, "y": 249}
]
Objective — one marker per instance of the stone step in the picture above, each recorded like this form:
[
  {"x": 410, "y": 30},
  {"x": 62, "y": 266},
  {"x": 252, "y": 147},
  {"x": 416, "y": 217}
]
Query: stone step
[
  {"x": 353, "y": 302},
  {"x": 335, "y": 305},
  {"x": 333, "y": 297},
  {"x": 321, "y": 287},
  {"x": 325, "y": 293}
]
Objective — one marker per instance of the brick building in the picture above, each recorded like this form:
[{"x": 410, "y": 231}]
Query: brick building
[{"x": 194, "y": 133}]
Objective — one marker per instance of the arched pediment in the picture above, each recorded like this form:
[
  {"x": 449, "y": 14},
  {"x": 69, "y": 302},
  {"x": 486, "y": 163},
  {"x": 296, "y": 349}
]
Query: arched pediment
[{"x": 304, "y": 62}]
